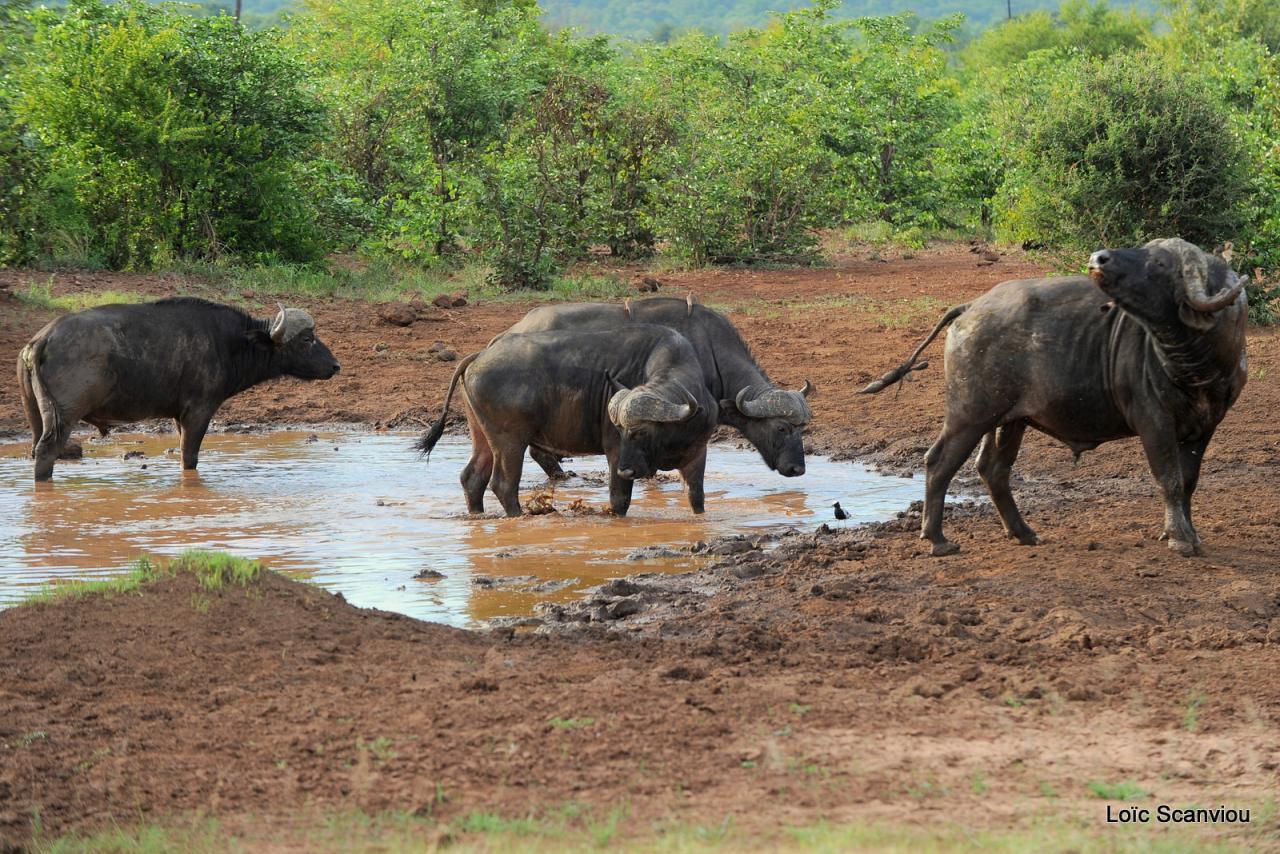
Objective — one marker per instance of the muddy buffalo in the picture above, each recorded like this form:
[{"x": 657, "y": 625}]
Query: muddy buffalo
[
  {"x": 771, "y": 418},
  {"x": 633, "y": 394},
  {"x": 1150, "y": 344},
  {"x": 177, "y": 358}
]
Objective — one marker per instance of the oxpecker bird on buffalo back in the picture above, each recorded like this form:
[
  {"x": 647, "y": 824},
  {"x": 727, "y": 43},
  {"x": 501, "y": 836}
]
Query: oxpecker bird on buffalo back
[
  {"x": 1150, "y": 344},
  {"x": 178, "y": 358}
]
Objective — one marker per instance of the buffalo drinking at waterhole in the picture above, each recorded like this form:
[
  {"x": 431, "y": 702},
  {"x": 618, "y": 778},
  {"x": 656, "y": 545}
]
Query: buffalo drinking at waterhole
[
  {"x": 633, "y": 394},
  {"x": 178, "y": 358},
  {"x": 1150, "y": 344},
  {"x": 771, "y": 418}
]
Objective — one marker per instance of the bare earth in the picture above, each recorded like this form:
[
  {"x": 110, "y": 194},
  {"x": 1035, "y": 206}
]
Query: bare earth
[{"x": 847, "y": 677}]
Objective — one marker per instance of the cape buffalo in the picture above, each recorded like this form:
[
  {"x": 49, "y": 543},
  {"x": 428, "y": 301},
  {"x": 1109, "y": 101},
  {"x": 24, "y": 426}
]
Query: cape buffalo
[
  {"x": 1150, "y": 344},
  {"x": 177, "y": 358},
  {"x": 633, "y": 394},
  {"x": 771, "y": 418}
]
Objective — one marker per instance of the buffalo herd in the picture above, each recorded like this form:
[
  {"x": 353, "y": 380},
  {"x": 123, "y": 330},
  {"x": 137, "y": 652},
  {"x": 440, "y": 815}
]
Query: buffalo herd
[{"x": 1151, "y": 343}]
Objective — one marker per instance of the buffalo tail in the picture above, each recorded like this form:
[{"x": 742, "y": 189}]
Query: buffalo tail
[
  {"x": 35, "y": 397},
  {"x": 910, "y": 364},
  {"x": 427, "y": 443}
]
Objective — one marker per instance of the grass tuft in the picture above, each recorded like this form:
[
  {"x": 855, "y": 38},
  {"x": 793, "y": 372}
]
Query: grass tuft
[
  {"x": 1125, "y": 790},
  {"x": 41, "y": 296},
  {"x": 213, "y": 571}
]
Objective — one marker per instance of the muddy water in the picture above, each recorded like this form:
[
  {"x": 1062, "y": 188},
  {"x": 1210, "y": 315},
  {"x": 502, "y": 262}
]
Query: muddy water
[{"x": 360, "y": 514}]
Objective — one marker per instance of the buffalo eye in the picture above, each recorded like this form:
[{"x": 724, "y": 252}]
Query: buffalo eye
[{"x": 783, "y": 428}]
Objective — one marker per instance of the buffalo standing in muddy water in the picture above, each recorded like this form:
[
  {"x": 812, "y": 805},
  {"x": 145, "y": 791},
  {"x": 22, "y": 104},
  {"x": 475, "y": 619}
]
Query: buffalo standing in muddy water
[
  {"x": 178, "y": 358},
  {"x": 771, "y": 418},
  {"x": 1151, "y": 344},
  {"x": 634, "y": 395}
]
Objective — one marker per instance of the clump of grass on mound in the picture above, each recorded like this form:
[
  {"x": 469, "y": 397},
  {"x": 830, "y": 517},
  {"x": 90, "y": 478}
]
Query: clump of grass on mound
[{"x": 213, "y": 571}]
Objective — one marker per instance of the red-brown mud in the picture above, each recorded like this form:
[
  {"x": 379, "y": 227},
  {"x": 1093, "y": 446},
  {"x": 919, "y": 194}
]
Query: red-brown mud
[{"x": 846, "y": 675}]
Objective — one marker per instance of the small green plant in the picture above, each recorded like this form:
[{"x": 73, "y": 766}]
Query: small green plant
[
  {"x": 800, "y": 708},
  {"x": 30, "y": 738},
  {"x": 978, "y": 783},
  {"x": 379, "y": 748},
  {"x": 1191, "y": 715},
  {"x": 1047, "y": 790},
  {"x": 1125, "y": 790},
  {"x": 570, "y": 723}
]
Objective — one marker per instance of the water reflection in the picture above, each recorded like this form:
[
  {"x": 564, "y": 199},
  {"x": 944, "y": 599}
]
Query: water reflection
[{"x": 361, "y": 514}]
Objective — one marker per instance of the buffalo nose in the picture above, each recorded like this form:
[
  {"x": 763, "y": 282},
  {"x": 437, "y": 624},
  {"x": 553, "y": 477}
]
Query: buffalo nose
[
  {"x": 1099, "y": 259},
  {"x": 793, "y": 471},
  {"x": 337, "y": 368},
  {"x": 628, "y": 474}
]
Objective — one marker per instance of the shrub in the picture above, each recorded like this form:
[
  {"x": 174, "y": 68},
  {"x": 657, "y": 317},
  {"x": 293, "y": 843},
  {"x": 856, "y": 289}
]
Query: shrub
[
  {"x": 168, "y": 135},
  {"x": 1115, "y": 152}
]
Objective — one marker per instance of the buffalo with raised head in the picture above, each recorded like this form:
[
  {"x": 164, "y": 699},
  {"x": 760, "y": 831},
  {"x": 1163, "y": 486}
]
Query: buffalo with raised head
[
  {"x": 634, "y": 395},
  {"x": 1150, "y": 344},
  {"x": 771, "y": 418},
  {"x": 178, "y": 358}
]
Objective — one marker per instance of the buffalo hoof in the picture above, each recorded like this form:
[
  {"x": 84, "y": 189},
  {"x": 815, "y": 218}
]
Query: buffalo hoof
[
  {"x": 1184, "y": 548},
  {"x": 944, "y": 548},
  {"x": 1027, "y": 539}
]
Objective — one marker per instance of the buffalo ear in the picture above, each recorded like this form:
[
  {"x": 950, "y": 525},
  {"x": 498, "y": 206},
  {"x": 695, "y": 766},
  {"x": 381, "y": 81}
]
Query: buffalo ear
[
  {"x": 729, "y": 413},
  {"x": 1197, "y": 320},
  {"x": 259, "y": 336}
]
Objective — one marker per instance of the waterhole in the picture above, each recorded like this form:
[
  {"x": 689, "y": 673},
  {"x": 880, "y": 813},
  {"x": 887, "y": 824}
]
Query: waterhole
[{"x": 359, "y": 513}]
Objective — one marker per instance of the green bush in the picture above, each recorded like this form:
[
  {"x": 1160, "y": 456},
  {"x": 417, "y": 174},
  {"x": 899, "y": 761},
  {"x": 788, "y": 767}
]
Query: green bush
[
  {"x": 167, "y": 136},
  {"x": 1115, "y": 152}
]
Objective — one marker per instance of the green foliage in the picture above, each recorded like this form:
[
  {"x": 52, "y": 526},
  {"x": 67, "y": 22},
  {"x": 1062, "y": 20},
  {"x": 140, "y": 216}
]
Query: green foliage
[
  {"x": 1090, "y": 27},
  {"x": 1114, "y": 152},
  {"x": 166, "y": 135}
]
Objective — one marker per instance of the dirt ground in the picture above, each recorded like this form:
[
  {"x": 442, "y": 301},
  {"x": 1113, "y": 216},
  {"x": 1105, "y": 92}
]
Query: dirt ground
[{"x": 843, "y": 677}]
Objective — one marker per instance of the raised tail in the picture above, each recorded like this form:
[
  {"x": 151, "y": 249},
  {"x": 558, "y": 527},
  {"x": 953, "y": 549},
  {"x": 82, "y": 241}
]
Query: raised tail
[
  {"x": 427, "y": 443},
  {"x": 910, "y": 364}
]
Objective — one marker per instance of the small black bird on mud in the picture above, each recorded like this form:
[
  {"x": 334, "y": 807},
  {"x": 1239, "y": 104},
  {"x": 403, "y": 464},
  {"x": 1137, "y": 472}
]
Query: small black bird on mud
[{"x": 841, "y": 513}]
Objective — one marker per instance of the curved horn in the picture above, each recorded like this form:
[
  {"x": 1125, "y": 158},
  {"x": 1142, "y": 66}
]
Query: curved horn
[
  {"x": 742, "y": 401},
  {"x": 1201, "y": 301},
  {"x": 277, "y": 325},
  {"x": 776, "y": 403},
  {"x": 689, "y": 301},
  {"x": 690, "y": 401},
  {"x": 807, "y": 389},
  {"x": 626, "y": 307},
  {"x": 1195, "y": 280},
  {"x": 640, "y": 405},
  {"x": 617, "y": 407}
]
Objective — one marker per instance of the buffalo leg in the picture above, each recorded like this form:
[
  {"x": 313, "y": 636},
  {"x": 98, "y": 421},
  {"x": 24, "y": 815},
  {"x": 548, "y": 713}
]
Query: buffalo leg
[
  {"x": 941, "y": 464},
  {"x": 1191, "y": 455},
  {"x": 479, "y": 469},
  {"x": 995, "y": 463},
  {"x": 508, "y": 460},
  {"x": 693, "y": 473},
  {"x": 191, "y": 428},
  {"x": 619, "y": 489},
  {"x": 1165, "y": 458},
  {"x": 548, "y": 462}
]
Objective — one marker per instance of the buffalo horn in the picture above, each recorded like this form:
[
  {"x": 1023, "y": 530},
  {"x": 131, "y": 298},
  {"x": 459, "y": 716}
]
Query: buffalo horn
[{"x": 1195, "y": 277}]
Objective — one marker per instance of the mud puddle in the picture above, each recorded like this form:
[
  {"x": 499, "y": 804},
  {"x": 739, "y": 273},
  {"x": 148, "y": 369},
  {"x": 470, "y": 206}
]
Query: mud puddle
[{"x": 360, "y": 514}]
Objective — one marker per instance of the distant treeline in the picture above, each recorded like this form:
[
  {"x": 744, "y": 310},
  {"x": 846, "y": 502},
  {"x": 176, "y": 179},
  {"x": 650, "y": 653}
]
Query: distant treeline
[{"x": 441, "y": 131}]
